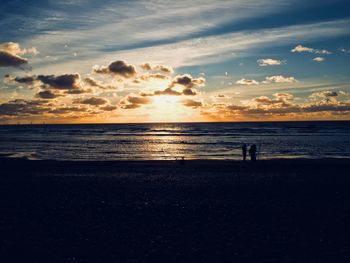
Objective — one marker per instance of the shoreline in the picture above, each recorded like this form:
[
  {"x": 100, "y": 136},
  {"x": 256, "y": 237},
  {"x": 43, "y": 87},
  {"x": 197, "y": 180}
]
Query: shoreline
[{"x": 186, "y": 171}]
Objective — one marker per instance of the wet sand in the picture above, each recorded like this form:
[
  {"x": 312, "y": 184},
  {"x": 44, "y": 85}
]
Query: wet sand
[{"x": 168, "y": 211}]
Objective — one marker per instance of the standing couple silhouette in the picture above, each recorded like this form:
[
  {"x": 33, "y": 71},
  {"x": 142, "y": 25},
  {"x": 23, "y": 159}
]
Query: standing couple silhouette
[{"x": 252, "y": 152}]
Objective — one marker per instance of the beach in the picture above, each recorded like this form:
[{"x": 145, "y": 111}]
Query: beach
[{"x": 175, "y": 211}]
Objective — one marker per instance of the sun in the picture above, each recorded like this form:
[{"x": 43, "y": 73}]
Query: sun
[
  {"x": 167, "y": 109},
  {"x": 165, "y": 100}
]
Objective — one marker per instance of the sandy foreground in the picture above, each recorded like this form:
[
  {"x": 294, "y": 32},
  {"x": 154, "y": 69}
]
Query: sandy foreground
[{"x": 171, "y": 211}]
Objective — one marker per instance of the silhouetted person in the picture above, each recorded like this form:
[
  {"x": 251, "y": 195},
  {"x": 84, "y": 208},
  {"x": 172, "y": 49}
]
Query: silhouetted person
[
  {"x": 252, "y": 152},
  {"x": 244, "y": 151}
]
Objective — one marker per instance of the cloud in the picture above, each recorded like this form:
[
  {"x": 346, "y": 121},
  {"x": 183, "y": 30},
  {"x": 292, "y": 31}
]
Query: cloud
[
  {"x": 119, "y": 67},
  {"x": 300, "y": 49},
  {"x": 10, "y": 54},
  {"x": 318, "y": 59},
  {"x": 167, "y": 91},
  {"x": 163, "y": 68},
  {"x": 22, "y": 107},
  {"x": 9, "y": 60},
  {"x": 192, "y": 103},
  {"x": 222, "y": 96},
  {"x": 326, "y": 96},
  {"x": 47, "y": 108},
  {"x": 171, "y": 92},
  {"x": 344, "y": 50},
  {"x": 187, "y": 81},
  {"x": 58, "y": 84},
  {"x": 284, "y": 96},
  {"x": 15, "y": 49},
  {"x": 147, "y": 77},
  {"x": 189, "y": 92},
  {"x": 91, "y": 101},
  {"x": 247, "y": 82},
  {"x": 61, "y": 82},
  {"x": 321, "y": 104},
  {"x": 68, "y": 83},
  {"x": 269, "y": 62},
  {"x": 47, "y": 94},
  {"x": 94, "y": 83},
  {"x": 133, "y": 102},
  {"x": 108, "y": 108},
  {"x": 68, "y": 110},
  {"x": 268, "y": 79},
  {"x": 27, "y": 80},
  {"x": 279, "y": 79},
  {"x": 279, "y": 100}
]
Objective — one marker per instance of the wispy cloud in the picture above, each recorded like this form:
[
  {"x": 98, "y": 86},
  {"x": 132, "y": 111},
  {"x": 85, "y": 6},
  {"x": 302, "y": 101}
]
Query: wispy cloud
[
  {"x": 270, "y": 62},
  {"x": 279, "y": 79},
  {"x": 344, "y": 50},
  {"x": 319, "y": 59},
  {"x": 214, "y": 49},
  {"x": 247, "y": 82},
  {"x": 300, "y": 49}
]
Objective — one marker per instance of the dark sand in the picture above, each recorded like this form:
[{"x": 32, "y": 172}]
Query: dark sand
[{"x": 164, "y": 211}]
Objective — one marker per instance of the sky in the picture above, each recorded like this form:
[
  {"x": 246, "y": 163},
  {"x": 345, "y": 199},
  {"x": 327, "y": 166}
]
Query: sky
[{"x": 84, "y": 61}]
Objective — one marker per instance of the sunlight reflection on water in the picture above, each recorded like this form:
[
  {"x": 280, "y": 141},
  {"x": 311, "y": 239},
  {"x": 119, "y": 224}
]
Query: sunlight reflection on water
[{"x": 174, "y": 141}]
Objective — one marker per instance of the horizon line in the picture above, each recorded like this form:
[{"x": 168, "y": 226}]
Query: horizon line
[{"x": 189, "y": 122}]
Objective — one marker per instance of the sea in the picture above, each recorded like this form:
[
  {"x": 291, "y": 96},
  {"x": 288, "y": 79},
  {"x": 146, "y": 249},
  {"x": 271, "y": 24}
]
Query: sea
[{"x": 174, "y": 141}]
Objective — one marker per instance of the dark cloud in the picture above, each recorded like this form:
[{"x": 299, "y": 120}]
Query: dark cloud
[
  {"x": 133, "y": 102},
  {"x": 189, "y": 92},
  {"x": 47, "y": 94},
  {"x": 138, "y": 100},
  {"x": 10, "y": 60},
  {"x": 26, "y": 108},
  {"x": 187, "y": 81},
  {"x": 61, "y": 82},
  {"x": 67, "y": 110},
  {"x": 27, "y": 80},
  {"x": 21, "y": 107},
  {"x": 130, "y": 106},
  {"x": 10, "y": 54},
  {"x": 171, "y": 92},
  {"x": 327, "y": 107},
  {"x": 67, "y": 83},
  {"x": 192, "y": 103},
  {"x": 235, "y": 107},
  {"x": 108, "y": 108},
  {"x": 118, "y": 67},
  {"x": 91, "y": 101}
]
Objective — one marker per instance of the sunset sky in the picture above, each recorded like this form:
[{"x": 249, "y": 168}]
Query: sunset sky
[{"x": 172, "y": 61}]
